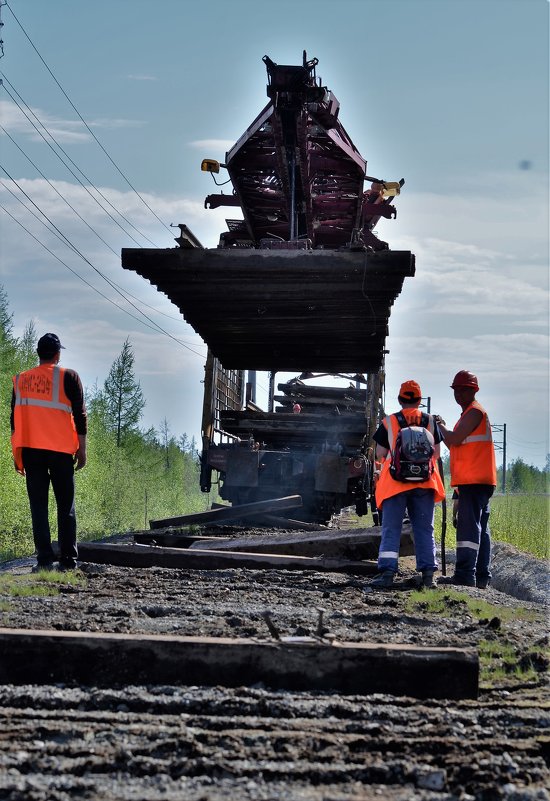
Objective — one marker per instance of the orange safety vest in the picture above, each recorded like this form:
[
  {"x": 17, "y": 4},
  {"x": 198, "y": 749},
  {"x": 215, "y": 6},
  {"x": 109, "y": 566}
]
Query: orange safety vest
[
  {"x": 473, "y": 461},
  {"x": 42, "y": 414},
  {"x": 387, "y": 486}
]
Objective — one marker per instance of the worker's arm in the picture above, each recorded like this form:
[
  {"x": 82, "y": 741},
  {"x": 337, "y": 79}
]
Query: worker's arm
[
  {"x": 465, "y": 426},
  {"x": 381, "y": 453},
  {"x": 75, "y": 393},
  {"x": 80, "y": 455}
]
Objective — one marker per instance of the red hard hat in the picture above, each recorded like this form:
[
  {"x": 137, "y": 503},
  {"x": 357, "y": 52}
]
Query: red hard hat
[{"x": 465, "y": 379}]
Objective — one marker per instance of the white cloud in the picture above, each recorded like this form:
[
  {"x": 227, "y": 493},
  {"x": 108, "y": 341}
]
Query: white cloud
[{"x": 36, "y": 125}]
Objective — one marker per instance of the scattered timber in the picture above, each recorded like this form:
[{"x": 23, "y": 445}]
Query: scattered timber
[
  {"x": 355, "y": 544},
  {"x": 147, "y": 556},
  {"x": 230, "y": 512},
  {"x": 168, "y": 539},
  {"x": 100, "y": 659},
  {"x": 276, "y": 522}
]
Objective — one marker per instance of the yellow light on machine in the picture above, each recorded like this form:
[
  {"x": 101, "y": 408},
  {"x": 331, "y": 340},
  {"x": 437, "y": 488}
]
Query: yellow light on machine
[
  {"x": 391, "y": 188},
  {"x": 210, "y": 165}
]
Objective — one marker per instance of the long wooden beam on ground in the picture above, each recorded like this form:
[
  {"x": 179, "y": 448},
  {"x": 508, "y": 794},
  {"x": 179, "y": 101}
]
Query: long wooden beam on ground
[
  {"x": 355, "y": 544},
  {"x": 151, "y": 556},
  {"x": 276, "y": 521},
  {"x": 230, "y": 512},
  {"x": 100, "y": 659}
]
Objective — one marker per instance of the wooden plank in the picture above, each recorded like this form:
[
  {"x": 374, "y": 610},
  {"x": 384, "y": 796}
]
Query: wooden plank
[
  {"x": 100, "y": 659},
  {"x": 277, "y": 522},
  {"x": 170, "y": 540},
  {"x": 354, "y": 545},
  {"x": 148, "y": 556},
  {"x": 230, "y": 512}
]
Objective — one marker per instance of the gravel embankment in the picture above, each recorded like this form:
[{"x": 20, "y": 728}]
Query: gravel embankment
[{"x": 213, "y": 743}]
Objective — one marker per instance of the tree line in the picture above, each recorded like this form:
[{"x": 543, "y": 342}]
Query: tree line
[{"x": 132, "y": 475}]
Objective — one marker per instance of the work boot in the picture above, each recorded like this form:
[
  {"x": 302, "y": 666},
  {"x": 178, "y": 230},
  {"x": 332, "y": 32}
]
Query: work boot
[
  {"x": 383, "y": 580},
  {"x": 43, "y": 568},
  {"x": 428, "y": 579},
  {"x": 453, "y": 581},
  {"x": 482, "y": 583}
]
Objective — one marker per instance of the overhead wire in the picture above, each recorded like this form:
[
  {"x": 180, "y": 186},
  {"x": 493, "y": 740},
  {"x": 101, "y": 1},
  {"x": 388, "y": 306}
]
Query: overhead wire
[
  {"x": 51, "y": 227},
  {"x": 84, "y": 121},
  {"x": 64, "y": 199},
  {"x": 59, "y": 234},
  {"x": 170, "y": 317},
  {"x": 82, "y": 184},
  {"x": 153, "y": 327},
  {"x": 54, "y": 232},
  {"x": 73, "y": 247}
]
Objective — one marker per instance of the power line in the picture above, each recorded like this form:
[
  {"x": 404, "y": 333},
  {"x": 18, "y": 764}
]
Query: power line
[
  {"x": 58, "y": 192},
  {"x": 79, "y": 180},
  {"x": 65, "y": 242},
  {"x": 85, "y": 123},
  {"x": 157, "y": 327}
]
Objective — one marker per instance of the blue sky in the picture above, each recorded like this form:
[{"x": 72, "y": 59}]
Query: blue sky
[{"x": 452, "y": 95}]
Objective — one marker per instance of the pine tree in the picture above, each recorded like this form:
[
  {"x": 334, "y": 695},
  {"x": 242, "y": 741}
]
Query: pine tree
[{"x": 124, "y": 400}]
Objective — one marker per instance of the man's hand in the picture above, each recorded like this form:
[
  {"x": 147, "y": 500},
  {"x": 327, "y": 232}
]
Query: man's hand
[
  {"x": 439, "y": 420},
  {"x": 19, "y": 470},
  {"x": 80, "y": 458}
]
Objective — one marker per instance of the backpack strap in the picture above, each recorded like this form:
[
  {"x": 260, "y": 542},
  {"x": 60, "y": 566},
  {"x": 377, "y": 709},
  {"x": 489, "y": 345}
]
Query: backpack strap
[
  {"x": 400, "y": 417},
  {"x": 427, "y": 421}
]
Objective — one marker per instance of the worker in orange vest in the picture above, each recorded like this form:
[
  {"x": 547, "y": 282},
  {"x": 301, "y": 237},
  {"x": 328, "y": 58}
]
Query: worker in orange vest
[
  {"x": 49, "y": 427},
  {"x": 395, "y": 497},
  {"x": 474, "y": 474}
]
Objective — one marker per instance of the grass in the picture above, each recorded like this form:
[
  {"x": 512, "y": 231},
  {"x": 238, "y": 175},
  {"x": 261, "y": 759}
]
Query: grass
[
  {"x": 501, "y": 663},
  {"x": 519, "y": 520},
  {"x": 42, "y": 584},
  {"x": 444, "y": 602}
]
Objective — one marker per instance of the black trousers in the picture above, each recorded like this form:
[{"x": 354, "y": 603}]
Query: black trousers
[{"x": 41, "y": 468}]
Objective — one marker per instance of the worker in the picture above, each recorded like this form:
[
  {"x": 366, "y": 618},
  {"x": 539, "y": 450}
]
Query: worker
[
  {"x": 474, "y": 474},
  {"x": 49, "y": 427},
  {"x": 395, "y": 497}
]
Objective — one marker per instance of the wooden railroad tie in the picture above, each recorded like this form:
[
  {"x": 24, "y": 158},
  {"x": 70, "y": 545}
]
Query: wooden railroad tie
[{"x": 99, "y": 659}]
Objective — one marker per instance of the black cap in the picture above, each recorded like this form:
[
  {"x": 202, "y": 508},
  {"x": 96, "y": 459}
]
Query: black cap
[{"x": 48, "y": 346}]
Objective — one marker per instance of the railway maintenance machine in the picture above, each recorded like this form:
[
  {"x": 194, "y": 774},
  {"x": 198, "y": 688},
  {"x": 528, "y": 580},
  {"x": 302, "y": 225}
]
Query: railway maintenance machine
[{"x": 300, "y": 286}]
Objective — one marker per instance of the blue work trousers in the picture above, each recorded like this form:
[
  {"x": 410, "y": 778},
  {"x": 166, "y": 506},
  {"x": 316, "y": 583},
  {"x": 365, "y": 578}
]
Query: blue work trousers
[
  {"x": 419, "y": 503},
  {"x": 473, "y": 537},
  {"x": 43, "y": 467}
]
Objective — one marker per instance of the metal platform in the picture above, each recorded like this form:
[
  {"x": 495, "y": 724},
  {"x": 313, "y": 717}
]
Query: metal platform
[{"x": 285, "y": 310}]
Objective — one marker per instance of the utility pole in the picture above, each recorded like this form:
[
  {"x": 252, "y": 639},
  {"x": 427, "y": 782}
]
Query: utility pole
[
  {"x": 500, "y": 445},
  {"x": 427, "y": 405}
]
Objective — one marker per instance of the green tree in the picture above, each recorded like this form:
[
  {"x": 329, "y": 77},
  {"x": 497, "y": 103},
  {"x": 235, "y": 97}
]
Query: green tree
[{"x": 124, "y": 400}]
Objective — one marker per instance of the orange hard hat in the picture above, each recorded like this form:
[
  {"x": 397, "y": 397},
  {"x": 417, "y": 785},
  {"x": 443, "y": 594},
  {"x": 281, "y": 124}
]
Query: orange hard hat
[
  {"x": 410, "y": 390},
  {"x": 465, "y": 379}
]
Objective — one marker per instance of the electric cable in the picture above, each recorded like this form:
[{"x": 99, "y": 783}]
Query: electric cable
[
  {"x": 157, "y": 327},
  {"x": 84, "y": 121},
  {"x": 58, "y": 192},
  {"x": 83, "y": 185}
]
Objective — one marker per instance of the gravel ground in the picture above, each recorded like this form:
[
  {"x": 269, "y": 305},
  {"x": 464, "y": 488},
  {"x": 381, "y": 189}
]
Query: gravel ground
[{"x": 213, "y": 743}]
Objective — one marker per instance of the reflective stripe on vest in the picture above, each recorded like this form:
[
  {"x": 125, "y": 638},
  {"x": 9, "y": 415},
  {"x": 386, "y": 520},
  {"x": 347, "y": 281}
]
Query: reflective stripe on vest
[
  {"x": 54, "y": 403},
  {"x": 487, "y": 437}
]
